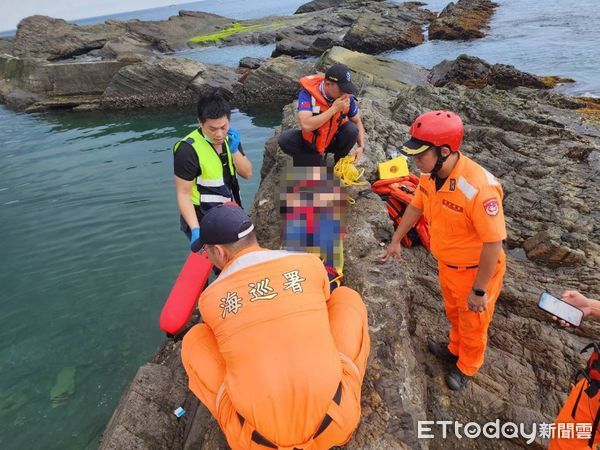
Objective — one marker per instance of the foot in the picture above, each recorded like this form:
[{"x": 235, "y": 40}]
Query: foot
[
  {"x": 441, "y": 352},
  {"x": 456, "y": 380}
]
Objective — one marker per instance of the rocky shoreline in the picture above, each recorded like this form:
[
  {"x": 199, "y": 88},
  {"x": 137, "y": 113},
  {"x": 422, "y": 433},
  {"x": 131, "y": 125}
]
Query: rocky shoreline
[
  {"x": 545, "y": 154},
  {"x": 53, "y": 64},
  {"x": 542, "y": 145}
]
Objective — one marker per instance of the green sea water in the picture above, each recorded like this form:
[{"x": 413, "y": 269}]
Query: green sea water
[{"x": 90, "y": 246}]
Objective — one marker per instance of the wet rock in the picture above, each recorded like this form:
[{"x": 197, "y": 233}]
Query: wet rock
[
  {"x": 375, "y": 75},
  {"x": 35, "y": 84},
  {"x": 374, "y": 32},
  {"x": 315, "y": 36},
  {"x": 476, "y": 73},
  {"x": 166, "y": 81},
  {"x": 251, "y": 63},
  {"x": 144, "y": 416},
  {"x": 54, "y": 39},
  {"x": 273, "y": 84},
  {"x": 370, "y": 27},
  {"x": 465, "y": 19},
  {"x": 548, "y": 251},
  {"x": 318, "y": 5}
]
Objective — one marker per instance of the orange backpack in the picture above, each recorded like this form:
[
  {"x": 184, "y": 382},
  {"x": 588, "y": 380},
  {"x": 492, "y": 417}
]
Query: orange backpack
[
  {"x": 398, "y": 194},
  {"x": 591, "y": 373}
]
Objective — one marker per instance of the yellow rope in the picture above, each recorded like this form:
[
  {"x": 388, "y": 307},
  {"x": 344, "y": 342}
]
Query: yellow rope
[{"x": 347, "y": 172}]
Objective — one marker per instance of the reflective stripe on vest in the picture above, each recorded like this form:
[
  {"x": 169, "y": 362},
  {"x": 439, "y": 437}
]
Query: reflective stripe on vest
[{"x": 210, "y": 186}]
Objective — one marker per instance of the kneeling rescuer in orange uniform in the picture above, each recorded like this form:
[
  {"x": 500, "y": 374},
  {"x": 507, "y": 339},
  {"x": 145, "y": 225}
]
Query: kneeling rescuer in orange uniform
[
  {"x": 462, "y": 203},
  {"x": 278, "y": 361}
]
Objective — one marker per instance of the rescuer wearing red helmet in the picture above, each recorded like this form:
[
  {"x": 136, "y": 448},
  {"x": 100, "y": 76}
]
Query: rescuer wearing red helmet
[{"x": 462, "y": 203}]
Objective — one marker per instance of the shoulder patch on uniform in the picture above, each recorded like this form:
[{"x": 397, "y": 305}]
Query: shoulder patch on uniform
[
  {"x": 491, "y": 206},
  {"x": 491, "y": 179},
  {"x": 467, "y": 188}
]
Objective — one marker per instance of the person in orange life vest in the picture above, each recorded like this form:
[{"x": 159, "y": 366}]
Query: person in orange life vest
[
  {"x": 205, "y": 164},
  {"x": 329, "y": 119},
  {"x": 582, "y": 407},
  {"x": 278, "y": 361},
  {"x": 462, "y": 203}
]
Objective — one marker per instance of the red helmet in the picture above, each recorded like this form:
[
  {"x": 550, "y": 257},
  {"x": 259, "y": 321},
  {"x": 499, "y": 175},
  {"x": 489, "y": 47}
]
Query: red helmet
[{"x": 434, "y": 128}]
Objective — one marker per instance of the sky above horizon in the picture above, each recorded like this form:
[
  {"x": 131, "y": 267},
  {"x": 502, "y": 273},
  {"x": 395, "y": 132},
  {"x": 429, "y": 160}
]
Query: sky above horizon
[{"x": 11, "y": 12}]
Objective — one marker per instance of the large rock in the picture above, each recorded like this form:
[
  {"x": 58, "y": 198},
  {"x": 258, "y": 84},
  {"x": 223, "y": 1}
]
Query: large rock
[
  {"x": 381, "y": 30},
  {"x": 315, "y": 36},
  {"x": 476, "y": 73},
  {"x": 272, "y": 85},
  {"x": 144, "y": 417},
  {"x": 465, "y": 19},
  {"x": 369, "y": 26},
  {"x": 318, "y": 5},
  {"x": 54, "y": 39},
  {"x": 375, "y": 75},
  {"x": 166, "y": 81},
  {"x": 32, "y": 84}
]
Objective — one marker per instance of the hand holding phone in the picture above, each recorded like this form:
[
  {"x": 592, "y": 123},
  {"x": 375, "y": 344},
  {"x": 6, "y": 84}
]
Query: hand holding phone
[{"x": 560, "y": 309}]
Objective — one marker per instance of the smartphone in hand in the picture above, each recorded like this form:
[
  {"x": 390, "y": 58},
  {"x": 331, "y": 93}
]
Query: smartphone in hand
[{"x": 561, "y": 309}]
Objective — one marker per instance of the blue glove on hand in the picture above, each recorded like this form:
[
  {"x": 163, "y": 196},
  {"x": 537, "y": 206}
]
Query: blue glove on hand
[
  {"x": 233, "y": 139},
  {"x": 194, "y": 237}
]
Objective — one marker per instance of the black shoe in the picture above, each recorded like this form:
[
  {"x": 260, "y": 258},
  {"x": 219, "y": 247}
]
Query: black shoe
[
  {"x": 456, "y": 380},
  {"x": 441, "y": 352}
]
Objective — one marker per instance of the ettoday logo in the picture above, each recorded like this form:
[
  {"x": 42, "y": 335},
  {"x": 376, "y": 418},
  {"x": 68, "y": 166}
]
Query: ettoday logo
[{"x": 429, "y": 429}]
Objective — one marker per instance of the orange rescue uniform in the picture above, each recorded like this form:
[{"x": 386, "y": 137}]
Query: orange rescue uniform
[
  {"x": 464, "y": 214},
  {"x": 276, "y": 362},
  {"x": 582, "y": 417}
]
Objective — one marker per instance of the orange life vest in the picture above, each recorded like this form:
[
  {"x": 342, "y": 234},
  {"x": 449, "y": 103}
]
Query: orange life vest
[
  {"x": 322, "y": 136},
  {"x": 398, "y": 194}
]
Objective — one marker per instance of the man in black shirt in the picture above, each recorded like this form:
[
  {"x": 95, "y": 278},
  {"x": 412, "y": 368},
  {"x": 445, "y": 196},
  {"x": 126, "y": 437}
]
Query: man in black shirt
[{"x": 205, "y": 165}]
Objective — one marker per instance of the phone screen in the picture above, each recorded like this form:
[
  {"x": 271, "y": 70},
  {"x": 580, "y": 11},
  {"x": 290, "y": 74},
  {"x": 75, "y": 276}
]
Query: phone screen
[{"x": 560, "y": 309}]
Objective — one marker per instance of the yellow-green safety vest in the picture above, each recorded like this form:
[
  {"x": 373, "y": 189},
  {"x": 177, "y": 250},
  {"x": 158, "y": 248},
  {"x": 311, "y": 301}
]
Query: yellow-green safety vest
[{"x": 209, "y": 188}]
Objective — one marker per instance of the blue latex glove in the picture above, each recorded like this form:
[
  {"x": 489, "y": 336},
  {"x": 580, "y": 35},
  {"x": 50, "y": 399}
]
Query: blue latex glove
[
  {"x": 233, "y": 139},
  {"x": 195, "y": 236}
]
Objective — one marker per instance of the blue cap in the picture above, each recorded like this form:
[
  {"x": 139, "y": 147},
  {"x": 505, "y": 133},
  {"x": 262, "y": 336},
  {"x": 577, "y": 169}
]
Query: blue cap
[{"x": 223, "y": 224}]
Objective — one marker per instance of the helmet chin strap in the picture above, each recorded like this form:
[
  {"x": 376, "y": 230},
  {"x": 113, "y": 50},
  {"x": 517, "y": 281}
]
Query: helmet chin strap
[{"x": 438, "y": 164}]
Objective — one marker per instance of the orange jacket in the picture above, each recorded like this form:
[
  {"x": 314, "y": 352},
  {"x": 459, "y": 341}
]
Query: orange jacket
[
  {"x": 463, "y": 214},
  {"x": 268, "y": 312},
  {"x": 322, "y": 136}
]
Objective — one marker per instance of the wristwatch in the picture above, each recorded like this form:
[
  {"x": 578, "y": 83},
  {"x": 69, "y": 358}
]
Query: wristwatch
[{"x": 478, "y": 292}]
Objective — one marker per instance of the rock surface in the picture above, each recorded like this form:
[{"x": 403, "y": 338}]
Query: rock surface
[
  {"x": 54, "y": 64},
  {"x": 475, "y": 73},
  {"x": 272, "y": 85},
  {"x": 318, "y": 5},
  {"x": 465, "y": 19},
  {"x": 166, "y": 81},
  {"x": 374, "y": 75},
  {"x": 538, "y": 146},
  {"x": 369, "y": 27}
]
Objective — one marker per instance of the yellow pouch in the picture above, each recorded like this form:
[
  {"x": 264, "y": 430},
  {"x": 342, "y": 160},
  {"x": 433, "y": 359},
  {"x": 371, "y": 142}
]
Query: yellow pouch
[{"x": 394, "y": 168}]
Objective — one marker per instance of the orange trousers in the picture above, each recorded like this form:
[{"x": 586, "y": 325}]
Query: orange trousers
[
  {"x": 348, "y": 324},
  {"x": 576, "y": 436},
  {"x": 468, "y": 329}
]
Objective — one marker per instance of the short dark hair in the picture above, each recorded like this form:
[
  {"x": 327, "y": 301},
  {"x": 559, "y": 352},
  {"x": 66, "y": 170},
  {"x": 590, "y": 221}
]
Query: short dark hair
[
  {"x": 213, "y": 106},
  {"x": 245, "y": 242}
]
